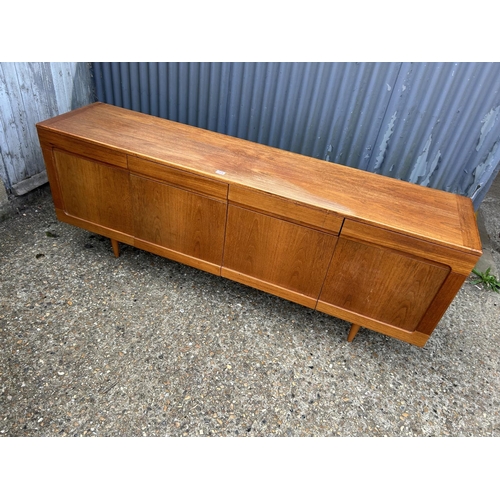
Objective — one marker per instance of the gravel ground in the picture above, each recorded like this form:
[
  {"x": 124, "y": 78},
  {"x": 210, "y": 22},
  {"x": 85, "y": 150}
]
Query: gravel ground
[{"x": 91, "y": 345}]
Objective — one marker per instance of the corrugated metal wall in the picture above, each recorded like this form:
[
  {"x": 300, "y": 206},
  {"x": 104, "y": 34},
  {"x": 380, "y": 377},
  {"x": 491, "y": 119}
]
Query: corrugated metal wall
[
  {"x": 435, "y": 124},
  {"x": 29, "y": 93}
]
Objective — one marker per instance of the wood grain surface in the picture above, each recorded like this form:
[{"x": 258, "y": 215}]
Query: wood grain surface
[
  {"x": 278, "y": 252},
  {"x": 178, "y": 220},
  {"x": 424, "y": 213},
  {"x": 286, "y": 209},
  {"x": 179, "y": 178},
  {"x": 376, "y": 282},
  {"x": 94, "y": 191},
  {"x": 381, "y": 253}
]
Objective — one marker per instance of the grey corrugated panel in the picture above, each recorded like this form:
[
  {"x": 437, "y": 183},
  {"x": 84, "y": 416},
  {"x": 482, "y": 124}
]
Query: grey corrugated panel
[
  {"x": 435, "y": 120},
  {"x": 420, "y": 122},
  {"x": 149, "y": 74},
  {"x": 114, "y": 69},
  {"x": 442, "y": 110},
  {"x": 29, "y": 93},
  {"x": 483, "y": 137},
  {"x": 99, "y": 82},
  {"x": 360, "y": 107},
  {"x": 135, "y": 88},
  {"x": 302, "y": 107},
  {"x": 109, "y": 82}
]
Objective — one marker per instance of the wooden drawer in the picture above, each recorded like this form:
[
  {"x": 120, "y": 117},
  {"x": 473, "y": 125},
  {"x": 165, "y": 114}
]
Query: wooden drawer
[
  {"x": 459, "y": 262},
  {"x": 179, "y": 178},
  {"x": 83, "y": 148},
  {"x": 286, "y": 209}
]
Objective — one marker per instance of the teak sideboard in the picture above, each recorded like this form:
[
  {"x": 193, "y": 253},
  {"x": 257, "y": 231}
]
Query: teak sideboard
[{"x": 377, "y": 252}]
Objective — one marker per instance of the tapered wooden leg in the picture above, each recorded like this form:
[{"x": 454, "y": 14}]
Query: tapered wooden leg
[
  {"x": 352, "y": 332},
  {"x": 116, "y": 247}
]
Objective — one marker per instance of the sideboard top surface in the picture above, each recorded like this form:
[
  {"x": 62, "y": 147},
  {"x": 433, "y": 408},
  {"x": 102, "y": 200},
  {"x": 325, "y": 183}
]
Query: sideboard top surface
[{"x": 381, "y": 201}]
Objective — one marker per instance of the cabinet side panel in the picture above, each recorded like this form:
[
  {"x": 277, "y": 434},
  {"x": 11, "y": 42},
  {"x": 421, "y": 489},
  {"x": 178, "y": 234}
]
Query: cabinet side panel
[
  {"x": 379, "y": 283},
  {"x": 52, "y": 176},
  {"x": 441, "y": 303},
  {"x": 468, "y": 225},
  {"x": 94, "y": 192}
]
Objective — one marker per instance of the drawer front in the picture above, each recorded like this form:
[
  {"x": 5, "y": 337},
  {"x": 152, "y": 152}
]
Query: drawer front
[
  {"x": 177, "y": 177},
  {"x": 83, "y": 148},
  {"x": 459, "y": 262},
  {"x": 286, "y": 209}
]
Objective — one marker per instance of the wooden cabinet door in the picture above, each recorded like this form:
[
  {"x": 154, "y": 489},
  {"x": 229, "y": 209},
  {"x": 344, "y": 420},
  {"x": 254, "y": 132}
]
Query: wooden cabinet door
[
  {"x": 276, "y": 256},
  {"x": 95, "y": 193},
  {"x": 387, "y": 287},
  {"x": 178, "y": 224}
]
